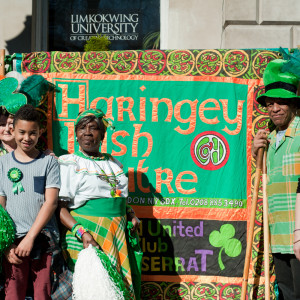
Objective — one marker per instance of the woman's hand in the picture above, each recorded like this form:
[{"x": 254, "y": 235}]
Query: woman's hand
[
  {"x": 25, "y": 246},
  {"x": 260, "y": 140},
  {"x": 87, "y": 240},
  {"x": 11, "y": 256},
  {"x": 136, "y": 223}
]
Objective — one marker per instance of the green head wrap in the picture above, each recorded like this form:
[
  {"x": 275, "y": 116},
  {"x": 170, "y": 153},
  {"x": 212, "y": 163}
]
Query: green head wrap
[{"x": 99, "y": 114}]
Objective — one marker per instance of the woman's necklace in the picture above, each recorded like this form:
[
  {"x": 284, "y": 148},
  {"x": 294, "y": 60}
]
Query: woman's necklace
[{"x": 111, "y": 180}]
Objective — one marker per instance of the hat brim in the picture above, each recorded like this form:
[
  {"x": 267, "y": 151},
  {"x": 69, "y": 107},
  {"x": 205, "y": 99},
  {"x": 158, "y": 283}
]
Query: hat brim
[{"x": 277, "y": 93}]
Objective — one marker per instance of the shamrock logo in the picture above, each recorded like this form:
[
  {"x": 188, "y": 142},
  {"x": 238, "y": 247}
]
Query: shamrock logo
[
  {"x": 224, "y": 240},
  {"x": 8, "y": 99}
]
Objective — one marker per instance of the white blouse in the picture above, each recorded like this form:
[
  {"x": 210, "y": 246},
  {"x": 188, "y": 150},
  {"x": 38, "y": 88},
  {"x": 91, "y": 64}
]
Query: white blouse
[{"x": 80, "y": 181}]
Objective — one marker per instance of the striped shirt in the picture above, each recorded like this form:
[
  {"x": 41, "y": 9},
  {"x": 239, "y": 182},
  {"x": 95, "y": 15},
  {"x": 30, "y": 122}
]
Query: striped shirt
[
  {"x": 37, "y": 175},
  {"x": 283, "y": 170}
]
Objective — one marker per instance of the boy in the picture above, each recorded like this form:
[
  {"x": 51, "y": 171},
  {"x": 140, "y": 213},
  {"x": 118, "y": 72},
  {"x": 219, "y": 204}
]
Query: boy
[{"x": 29, "y": 186}]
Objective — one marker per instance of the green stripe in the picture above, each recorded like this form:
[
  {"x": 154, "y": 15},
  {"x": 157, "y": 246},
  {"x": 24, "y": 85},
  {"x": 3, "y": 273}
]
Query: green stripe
[
  {"x": 103, "y": 207},
  {"x": 281, "y": 228}
]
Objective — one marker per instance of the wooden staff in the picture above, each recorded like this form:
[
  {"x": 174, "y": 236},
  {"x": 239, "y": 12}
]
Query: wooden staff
[
  {"x": 2, "y": 64},
  {"x": 259, "y": 160},
  {"x": 266, "y": 228}
]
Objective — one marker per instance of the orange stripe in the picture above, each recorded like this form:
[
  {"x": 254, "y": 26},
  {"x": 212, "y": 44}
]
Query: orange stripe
[
  {"x": 49, "y": 121},
  {"x": 157, "y": 212},
  {"x": 71, "y": 77},
  {"x": 251, "y": 86},
  {"x": 204, "y": 279}
]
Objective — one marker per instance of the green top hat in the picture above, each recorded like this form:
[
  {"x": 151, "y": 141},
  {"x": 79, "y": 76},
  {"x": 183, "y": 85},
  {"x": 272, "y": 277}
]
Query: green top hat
[{"x": 278, "y": 82}]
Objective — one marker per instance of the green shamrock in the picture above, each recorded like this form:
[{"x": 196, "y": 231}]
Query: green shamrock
[
  {"x": 224, "y": 240},
  {"x": 8, "y": 99}
]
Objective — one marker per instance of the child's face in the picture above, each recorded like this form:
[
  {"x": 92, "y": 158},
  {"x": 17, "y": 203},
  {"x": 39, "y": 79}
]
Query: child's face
[
  {"x": 6, "y": 124},
  {"x": 26, "y": 134}
]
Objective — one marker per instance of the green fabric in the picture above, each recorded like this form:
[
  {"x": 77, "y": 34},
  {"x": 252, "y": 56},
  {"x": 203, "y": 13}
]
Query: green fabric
[
  {"x": 103, "y": 207},
  {"x": 99, "y": 114},
  {"x": 283, "y": 165},
  {"x": 109, "y": 233},
  {"x": 135, "y": 255}
]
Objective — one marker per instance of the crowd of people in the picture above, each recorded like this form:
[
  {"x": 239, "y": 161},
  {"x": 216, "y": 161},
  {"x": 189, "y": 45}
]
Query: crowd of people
[{"x": 67, "y": 203}]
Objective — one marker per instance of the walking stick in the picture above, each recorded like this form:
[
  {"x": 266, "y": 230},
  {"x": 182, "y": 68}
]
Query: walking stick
[
  {"x": 266, "y": 228},
  {"x": 259, "y": 160}
]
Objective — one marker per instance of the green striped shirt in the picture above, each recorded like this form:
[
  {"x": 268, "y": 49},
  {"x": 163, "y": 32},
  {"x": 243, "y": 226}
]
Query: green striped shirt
[{"x": 283, "y": 168}]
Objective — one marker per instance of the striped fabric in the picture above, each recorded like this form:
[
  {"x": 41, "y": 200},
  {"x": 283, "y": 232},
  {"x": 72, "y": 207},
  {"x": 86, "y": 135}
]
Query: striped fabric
[
  {"x": 109, "y": 232},
  {"x": 283, "y": 168}
]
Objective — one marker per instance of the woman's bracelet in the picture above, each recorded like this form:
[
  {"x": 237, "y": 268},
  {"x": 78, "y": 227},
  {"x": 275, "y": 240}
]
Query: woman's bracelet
[
  {"x": 75, "y": 226},
  {"x": 78, "y": 231},
  {"x": 296, "y": 241}
]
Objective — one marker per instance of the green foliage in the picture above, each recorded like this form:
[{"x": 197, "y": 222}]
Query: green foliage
[
  {"x": 97, "y": 43},
  {"x": 151, "y": 40},
  {"x": 224, "y": 240}
]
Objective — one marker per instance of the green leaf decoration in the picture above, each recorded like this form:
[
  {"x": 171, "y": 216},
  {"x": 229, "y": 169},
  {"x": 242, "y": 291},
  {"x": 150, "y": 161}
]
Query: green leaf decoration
[
  {"x": 233, "y": 247},
  {"x": 8, "y": 99},
  {"x": 215, "y": 239},
  {"x": 224, "y": 239}
]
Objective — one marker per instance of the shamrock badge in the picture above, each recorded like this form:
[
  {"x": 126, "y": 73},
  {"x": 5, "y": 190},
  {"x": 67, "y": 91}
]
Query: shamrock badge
[
  {"x": 10, "y": 100},
  {"x": 15, "y": 175},
  {"x": 224, "y": 240}
]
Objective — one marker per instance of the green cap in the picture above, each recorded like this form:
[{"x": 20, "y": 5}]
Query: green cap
[{"x": 278, "y": 83}]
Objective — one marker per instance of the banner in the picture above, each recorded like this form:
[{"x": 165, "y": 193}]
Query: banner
[{"x": 184, "y": 125}]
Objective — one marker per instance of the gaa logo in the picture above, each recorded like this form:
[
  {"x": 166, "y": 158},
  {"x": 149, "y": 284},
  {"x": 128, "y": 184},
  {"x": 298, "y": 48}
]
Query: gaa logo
[{"x": 210, "y": 150}]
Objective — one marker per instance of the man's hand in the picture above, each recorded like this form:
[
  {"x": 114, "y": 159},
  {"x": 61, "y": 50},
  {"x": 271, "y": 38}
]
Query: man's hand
[
  {"x": 260, "y": 140},
  {"x": 11, "y": 256}
]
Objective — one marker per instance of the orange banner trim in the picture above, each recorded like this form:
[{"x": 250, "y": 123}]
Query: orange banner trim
[{"x": 222, "y": 214}]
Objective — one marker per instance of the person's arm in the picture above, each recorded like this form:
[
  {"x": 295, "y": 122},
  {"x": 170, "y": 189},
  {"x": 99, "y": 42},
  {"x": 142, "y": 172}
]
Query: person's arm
[
  {"x": 3, "y": 201},
  {"x": 259, "y": 141},
  {"x": 68, "y": 221},
  {"x": 43, "y": 217},
  {"x": 297, "y": 226}
]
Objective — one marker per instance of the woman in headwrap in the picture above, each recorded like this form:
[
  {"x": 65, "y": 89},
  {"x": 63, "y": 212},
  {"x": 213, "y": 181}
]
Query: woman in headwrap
[{"x": 93, "y": 198}]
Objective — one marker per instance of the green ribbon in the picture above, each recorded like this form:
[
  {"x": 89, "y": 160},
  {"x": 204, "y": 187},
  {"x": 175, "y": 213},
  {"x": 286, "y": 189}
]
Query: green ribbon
[
  {"x": 17, "y": 188},
  {"x": 15, "y": 175}
]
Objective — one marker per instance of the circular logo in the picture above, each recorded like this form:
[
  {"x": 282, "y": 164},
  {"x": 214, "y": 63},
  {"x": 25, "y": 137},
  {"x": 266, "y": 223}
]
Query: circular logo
[{"x": 210, "y": 150}]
